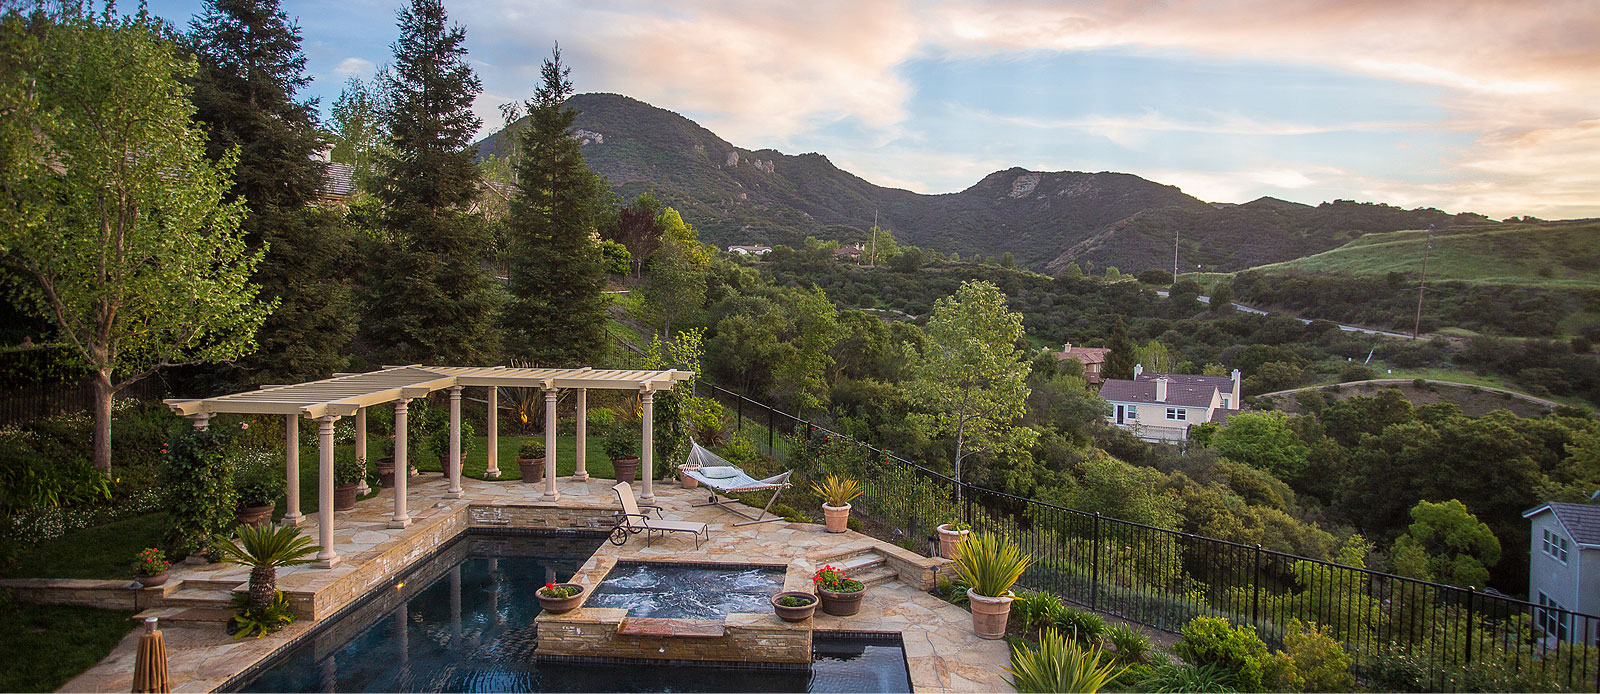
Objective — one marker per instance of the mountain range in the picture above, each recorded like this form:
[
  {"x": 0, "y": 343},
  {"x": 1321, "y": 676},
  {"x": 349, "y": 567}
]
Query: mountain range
[{"x": 1046, "y": 220}]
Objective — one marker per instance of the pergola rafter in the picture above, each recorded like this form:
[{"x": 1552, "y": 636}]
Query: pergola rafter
[{"x": 350, "y": 394}]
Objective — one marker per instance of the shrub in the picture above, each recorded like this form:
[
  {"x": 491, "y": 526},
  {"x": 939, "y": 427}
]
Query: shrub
[
  {"x": 348, "y": 469},
  {"x": 438, "y": 441},
  {"x": 1187, "y": 678},
  {"x": 1213, "y": 641},
  {"x": 201, "y": 498},
  {"x": 257, "y": 479},
  {"x": 837, "y": 491},
  {"x": 1032, "y": 609},
  {"x": 533, "y": 450},
  {"x": 1312, "y": 661},
  {"x": 1132, "y": 645},
  {"x": 1058, "y": 665},
  {"x": 1085, "y": 627},
  {"x": 1354, "y": 372},
  {"x": 621, "y": 442},
  {"x": 991, "y": 564}
]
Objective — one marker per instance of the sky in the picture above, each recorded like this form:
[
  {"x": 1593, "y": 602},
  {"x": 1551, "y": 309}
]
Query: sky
[{"x": 1489, "y": 106}]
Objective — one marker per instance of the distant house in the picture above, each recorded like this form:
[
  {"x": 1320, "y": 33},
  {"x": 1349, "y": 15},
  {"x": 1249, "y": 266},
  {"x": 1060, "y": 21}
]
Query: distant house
[
  {"x": 847, "y": 252},
  {"x": 1564, "y": 568},
  {"x": 1092, "y": 359},
  {"x": 338, "y": 180},
  {"x": 750, "y": 250},
  {"x": 1162, "y": 407}
]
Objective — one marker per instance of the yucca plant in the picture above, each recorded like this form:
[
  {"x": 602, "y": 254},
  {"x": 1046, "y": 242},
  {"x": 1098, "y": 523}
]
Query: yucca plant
[
  {"x": 1059, "y": 665},
  {"x": 265, "y": 548},
  {"x": 837, "y": 491},
  {"x": 991, "y": 564}
]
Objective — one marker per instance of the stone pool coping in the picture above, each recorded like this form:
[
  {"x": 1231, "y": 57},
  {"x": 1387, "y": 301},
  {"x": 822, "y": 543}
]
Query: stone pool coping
[{"x": 942, "y": 653}]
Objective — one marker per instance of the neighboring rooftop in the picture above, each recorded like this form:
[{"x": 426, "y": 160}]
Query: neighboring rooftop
[
  {"x": 1582, "y": 521},
  {"x": 1184, "y": 390},
  {"x": 1087, "y": 355}
]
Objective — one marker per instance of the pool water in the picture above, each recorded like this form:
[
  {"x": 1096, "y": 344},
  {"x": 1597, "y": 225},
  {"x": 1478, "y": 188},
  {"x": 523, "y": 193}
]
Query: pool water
[
  {"x": 462, "y": 621},
  {"x": 687, "y": 591}
]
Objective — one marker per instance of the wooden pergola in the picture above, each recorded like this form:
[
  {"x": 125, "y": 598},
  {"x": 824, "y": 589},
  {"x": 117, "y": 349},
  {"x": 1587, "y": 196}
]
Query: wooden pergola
[{"x": 349, "y": 395}]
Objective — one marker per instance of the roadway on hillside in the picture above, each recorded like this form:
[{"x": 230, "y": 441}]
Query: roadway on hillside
[
  {"x": 1548, "y": 404},
  {"x": 1260, "y": 312}
]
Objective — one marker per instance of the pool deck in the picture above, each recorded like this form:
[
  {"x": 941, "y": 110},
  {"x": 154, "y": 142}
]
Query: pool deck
[{"x": 943, "y": 653}]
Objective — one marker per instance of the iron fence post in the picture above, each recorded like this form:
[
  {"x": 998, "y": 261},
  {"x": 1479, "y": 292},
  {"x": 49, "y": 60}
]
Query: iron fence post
[
  {"x": 1255, "y": 590},
  {"x": 1094, "y": 567},
  {"x": 740, "y": 425},
  {"x": 1470, "y": 592},
  {"x": 772, "y": 423}
]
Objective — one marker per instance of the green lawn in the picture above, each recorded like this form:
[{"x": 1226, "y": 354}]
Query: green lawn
[
  {"x": 105, "y": 551},
  {"x": 43, "y": 646}
]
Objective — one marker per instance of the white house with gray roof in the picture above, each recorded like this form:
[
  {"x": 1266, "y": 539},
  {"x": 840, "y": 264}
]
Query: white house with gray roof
[
  {"x": 1564, "y": 568},
  {"x": 1162, "y": 407}
]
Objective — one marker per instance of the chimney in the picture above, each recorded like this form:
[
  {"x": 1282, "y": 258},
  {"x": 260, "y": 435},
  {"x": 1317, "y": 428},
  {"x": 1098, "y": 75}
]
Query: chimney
[
  {"x": 1237, "y": 378},
  {"x": 1138, "y": 369},
  {"x": 1067, "y": 348},
  {"x": 1161, "y": 389}
]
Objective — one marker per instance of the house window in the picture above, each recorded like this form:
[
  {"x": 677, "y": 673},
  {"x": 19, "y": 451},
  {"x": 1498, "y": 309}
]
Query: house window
[
  {"x": 1552, "y": 621},
  {"x": 1133, "y": 412},
  {"x": 1225, "y": 403},
  {"x": 1555, "y": 546},
  {"x": 1177, "y": 414}
]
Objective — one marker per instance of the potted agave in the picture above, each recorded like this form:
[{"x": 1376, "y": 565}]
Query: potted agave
[
  {"x": 151, "y": 567},
  {"x": 530, "y": 459},
  {"x": 622, "y": 447},
  {"x": 841, "y": 595},
  {"x": 990, "y": 564},
  {"x": 348, "y": 471},
  {"x": 950, "y": 536},
  {"x": 560, "y": 597},
  {"x": 794, "y": 605},
  {"x": 837, "y": 493}
]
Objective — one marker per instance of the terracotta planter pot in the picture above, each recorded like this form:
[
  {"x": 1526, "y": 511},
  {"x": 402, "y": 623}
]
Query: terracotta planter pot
[
  {"x": 253, "y": 515},
  {"x": 153, "y": 580},
  {"x": 344, "y": 497},
  {"x": 841, "y": 604},
  {"x": 837, "y": 517},
  {"x": 687, "y": 481},
  {"x": 386, "y": 472},
  {"x": 950, "y": 541},
  {"x": 989, "y": 615},
  {"x": 627, "y": 469},
  {"x": 795, "y": 614},
  {"x": 559, "y": 605},
  {"x": 532, "y": 469}
]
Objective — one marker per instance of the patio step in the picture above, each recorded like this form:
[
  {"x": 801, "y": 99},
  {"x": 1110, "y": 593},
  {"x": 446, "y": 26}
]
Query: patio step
[
  {"x": 859, "y": 563},
  {"x": 226, "y": 585},
  {"x": 197, "y": 597},
  {"x": 185, "y": 615},
  {"x": 868, "y": 567},
  {"x": 877, "y": 575}
]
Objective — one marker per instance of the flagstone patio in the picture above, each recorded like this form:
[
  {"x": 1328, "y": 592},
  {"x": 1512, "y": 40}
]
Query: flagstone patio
[{"x": 941, "y": 650}]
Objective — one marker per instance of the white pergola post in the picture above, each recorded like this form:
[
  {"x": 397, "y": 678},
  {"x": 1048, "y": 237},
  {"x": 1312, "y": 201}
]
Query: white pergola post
[
  {"x": 200, "y": 421},
  {"x": 647, "y": 451},
  {"x": 454, "y": 471},
  {"x": 291, "y": 463},
  {"x": 361, "y": 448},
  {"x": 581, "y": 437},
  {"x": 491, "y": 429},
  {"x": 402, "y": 467},
  {"x": 550, "y": 493},
  {"x": 326, "y": 558}
]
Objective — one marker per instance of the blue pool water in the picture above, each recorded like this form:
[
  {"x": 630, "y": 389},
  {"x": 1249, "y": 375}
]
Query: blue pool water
[
  {"x": 687, "y": 592},
  {"x": 462, "y": 621}
]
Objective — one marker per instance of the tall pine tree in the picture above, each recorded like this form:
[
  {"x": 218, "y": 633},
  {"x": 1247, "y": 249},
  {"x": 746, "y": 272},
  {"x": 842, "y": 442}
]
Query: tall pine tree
[
  {"x": 432, "y": 299},
  {"x": 250, "y": 66},
  {"x": 1120, "y": 360},
  {"x": 558, "y": 314}
]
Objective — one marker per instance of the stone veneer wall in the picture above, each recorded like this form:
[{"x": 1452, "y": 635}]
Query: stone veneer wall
[{"x": 592, "y": 632}]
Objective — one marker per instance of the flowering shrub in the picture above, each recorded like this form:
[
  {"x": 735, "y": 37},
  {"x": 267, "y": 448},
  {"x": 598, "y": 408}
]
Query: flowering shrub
[
  {"x": 833, "y": 579},
  {"x": 151, "y": 562},
  {"x": 559, "y": 592}
]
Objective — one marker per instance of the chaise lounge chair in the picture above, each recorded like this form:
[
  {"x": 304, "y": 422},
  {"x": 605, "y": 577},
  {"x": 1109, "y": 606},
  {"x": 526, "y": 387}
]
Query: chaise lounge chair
[
  {"x": 631, "y": 521},
  {"x": 724, "y": 477}
]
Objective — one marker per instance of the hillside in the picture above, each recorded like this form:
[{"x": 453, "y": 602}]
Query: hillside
[{"x": 1046, "y": 219}]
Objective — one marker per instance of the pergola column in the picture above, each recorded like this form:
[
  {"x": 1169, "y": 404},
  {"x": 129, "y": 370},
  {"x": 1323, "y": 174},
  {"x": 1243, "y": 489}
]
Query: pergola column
[
  {"x": 326, "y": 558},
  {"x": 361, "y": 448},
  {"x": 647, "y": 449},
  {"x": 291, "y": 463},
  {"x": 200, "y": 421},
  {"x": 550, "y": 493},
  {"x": 454, "y": 470},
  {"x": 491, "y": 429},
  {"x": 402, "y": 467},
  {"x": 581, "y": 437}
]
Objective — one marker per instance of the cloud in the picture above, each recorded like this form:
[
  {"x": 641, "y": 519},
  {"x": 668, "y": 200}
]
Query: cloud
[
  {"x": 354, "y": 67},
  {"x": 1133, "y": 131}
]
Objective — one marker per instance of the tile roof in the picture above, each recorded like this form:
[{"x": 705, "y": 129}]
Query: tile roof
[
  {"x": 1182, "y": 389},
  {"x": 338, "y": 181},
  {"x": 1087, "y": 355},
  {"x": 1582, "y": 520}
]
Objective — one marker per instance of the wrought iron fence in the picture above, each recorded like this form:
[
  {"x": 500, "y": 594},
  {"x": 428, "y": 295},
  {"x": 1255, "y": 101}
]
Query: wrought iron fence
[
  {"x": 33, "y": 402},
  {"x": 1402, "y": 633}
]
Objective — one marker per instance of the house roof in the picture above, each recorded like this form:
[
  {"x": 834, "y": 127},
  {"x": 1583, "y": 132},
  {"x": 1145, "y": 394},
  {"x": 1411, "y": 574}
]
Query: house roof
[
  {"x": 1087, "y": 355},
  {"x": 338, "y": 181},
  {"x": 1183, "y": 390},
  {"x": 1582, "y": 521}
]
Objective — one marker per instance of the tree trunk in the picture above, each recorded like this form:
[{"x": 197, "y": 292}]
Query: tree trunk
[
  {"x": 264, "y": 583},
  {"x": 102, "y": 421},
  {"x": 960, "y": 435}
]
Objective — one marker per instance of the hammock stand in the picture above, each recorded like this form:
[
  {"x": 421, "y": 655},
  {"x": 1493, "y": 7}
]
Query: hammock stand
[{"x": 700, "y": 458}]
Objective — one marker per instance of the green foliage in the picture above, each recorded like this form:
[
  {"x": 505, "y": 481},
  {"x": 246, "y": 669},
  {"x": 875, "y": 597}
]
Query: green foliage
[
  {"x": 348, "y": 469},
  {"x": 45, "y": 646},
  {"x": 559, "y": 591},
  {"x": 676, "y": 279},
  {"x": 359, "y": 135},
  {"x": 201, "y": 497},
  {"x": 1312, "y": 661},
  {"x": 1446, "y": 543},
  {"x": 990, "y": 563},
  {"x": 1033, "y": 609},
  {"x": 258, "y": 621},
  {"x": 1213, "y": 641},
  {"x": 257, "y": 478},
  {"x": 264, "y": 548},
  {"x": 795, "y": 601},
  {"x": 1187, "y": 678},
  {"x": 437, "y": 438},
  {"x": 532, "y": 450},
  {"x": 1123, "y": 356},
  {"x": 1131, "y": 644},
  {"x": 1263, "y": 440},
  {"x": 775, "y": 344},
  {"x": 837, "y": 491},
  {"x": 622, "y": 441},
  {"x": 1059, "y": 665},
  {"x": 29, "y": 481},
  {"x": 1086, "y": 628}
]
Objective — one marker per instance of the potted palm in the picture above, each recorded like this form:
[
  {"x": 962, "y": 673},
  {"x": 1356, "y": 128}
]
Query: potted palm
[
  {"x": 560, "y": 597},
  {"x": 950, "y": 536},
  {"x": 151, "y": 567},
  {"x": 794, "y": 605},
  {"x": 258, "y": 487},
  {"x": 348, "y": 471},
  {"x": 264, "y": 549},
  {"x": 837, "y": 493},
  {"x": 990, "y": 564},
  {"x": 530, "y": 459},
  {"x": 622, "y": 447},
  {"x": 841, "y": 595}
]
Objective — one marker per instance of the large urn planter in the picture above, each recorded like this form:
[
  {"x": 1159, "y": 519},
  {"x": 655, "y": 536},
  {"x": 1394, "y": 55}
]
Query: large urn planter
[
  {"x": 532, "y": 469},
  {"x": 344, "y": 497},
  {"x": 627, "y": 468},
  {"x": 152, "y": 580},
  {"x": 800, "y": 612},
  {"x": 989, "y": 615},
  {"x": 684, "y": 478},
  {"x": 950, "y": 541},
  {"x": 253, "y": 515},
  {"x": 386, "y": 472},
  {"x": 841, "y": 604},
  {"x": 566, "y": 604},
  {"x": 837, "y": 518}
]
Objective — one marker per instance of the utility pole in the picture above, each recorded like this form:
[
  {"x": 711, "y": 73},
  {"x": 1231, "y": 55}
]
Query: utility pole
[
  {"x": 1416, "y": 328},
  {"x": 1174, "y": 256},
  {"x": 873, "y": 261}
]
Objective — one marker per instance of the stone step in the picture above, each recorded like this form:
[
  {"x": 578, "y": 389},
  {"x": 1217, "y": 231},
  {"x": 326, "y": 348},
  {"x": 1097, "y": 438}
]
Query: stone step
[
  {"x": 876, "y": 576},
  {"x": 186, "y": 615},
  {"x": 843, "y": 557},
  {"x": 222, "y": 584},
  {"x": 197, "y": 597},
  {"x": 859, "y": 563}
]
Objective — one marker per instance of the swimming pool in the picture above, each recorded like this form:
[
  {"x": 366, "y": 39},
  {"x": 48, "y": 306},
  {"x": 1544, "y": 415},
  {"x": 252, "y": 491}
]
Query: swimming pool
[{"x": 463, "y": 621}]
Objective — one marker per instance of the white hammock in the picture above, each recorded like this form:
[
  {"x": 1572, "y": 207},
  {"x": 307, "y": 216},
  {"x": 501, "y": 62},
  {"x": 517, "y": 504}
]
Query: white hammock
[{"x": 723, "y": 476}]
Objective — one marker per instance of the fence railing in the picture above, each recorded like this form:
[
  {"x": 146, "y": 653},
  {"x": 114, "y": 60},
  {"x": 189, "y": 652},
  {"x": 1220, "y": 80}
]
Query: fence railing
[
  {"x": 1401, "y": 632},
  {"x": 34, "y": 402}
]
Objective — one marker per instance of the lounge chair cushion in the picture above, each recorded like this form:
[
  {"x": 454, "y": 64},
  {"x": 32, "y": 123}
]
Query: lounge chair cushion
[
  {"x": 720, "y": 472},
  {"x": 673, "y": 526}
]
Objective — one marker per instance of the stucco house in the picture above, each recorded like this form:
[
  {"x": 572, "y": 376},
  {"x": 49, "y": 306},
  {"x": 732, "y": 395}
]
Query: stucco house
[
  {"x": 749, "y": 250},
  {"x": 1564, "y": 568},
  {"x": 1092, "y": 359},
  {"x": 1162, "y": 407}
]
